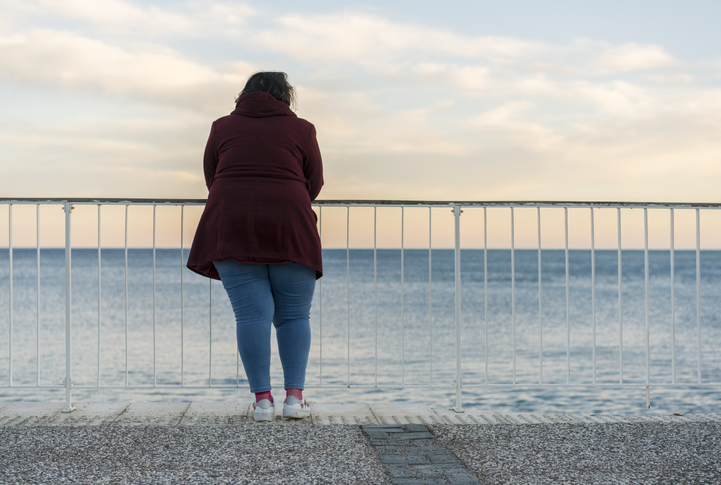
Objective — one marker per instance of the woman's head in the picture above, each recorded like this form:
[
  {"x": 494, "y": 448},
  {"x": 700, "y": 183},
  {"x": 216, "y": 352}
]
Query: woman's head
[{"x": 273, "y": 83}]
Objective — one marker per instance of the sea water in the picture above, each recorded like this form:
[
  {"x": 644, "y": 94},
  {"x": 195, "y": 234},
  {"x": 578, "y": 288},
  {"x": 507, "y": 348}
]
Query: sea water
[{"x": 384, "y": 329}]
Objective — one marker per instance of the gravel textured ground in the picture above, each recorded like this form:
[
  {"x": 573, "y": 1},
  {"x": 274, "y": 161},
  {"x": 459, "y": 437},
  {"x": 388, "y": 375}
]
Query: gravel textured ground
[
  {"x": 200, "y": 454},
  {"x": 643, "y": 453},
  {"x": 247, "y": 453}
]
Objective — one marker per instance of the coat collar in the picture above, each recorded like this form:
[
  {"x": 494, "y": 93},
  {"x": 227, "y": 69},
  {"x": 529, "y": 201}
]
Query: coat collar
[{"x": 261, "y": 105}]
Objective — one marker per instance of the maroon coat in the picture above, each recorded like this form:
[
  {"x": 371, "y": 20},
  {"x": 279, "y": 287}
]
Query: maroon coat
[{"x": 263, "y": 168}]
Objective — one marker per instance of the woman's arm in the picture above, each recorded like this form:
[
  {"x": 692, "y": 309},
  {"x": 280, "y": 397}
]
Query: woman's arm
[
  {"x": 313, "y": 166},
  {"x": 210, "y": 159}
]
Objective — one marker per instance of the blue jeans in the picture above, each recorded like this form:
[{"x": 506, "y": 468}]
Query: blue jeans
[{"x": 265, "y": 293}]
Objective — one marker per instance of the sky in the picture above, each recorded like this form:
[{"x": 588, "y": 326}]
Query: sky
[{"x": 514, "y": 100}]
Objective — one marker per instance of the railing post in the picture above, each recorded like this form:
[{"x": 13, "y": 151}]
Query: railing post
[
  {"x": 459, "y": 374},
  {"x": 68, "y": 302}
]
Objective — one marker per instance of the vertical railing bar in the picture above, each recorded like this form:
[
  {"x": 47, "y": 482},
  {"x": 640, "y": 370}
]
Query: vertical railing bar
[
  {"x": 430, "y": 296},
  {"x": 459, "y": 375},
  {"x": 100, "y": 308},
  {"x": 347, "y": 286},
  {"x": 620, "y": 308},
  {"x": 126, "y": 295},
  {"x": 540, "y": 303},
  {"x": 155, "y": 373},
  {"x": 673, "y": 302},
  {"x": 698, "y": 293},
  {"x": 210, "y": 332},
  {"x": 68, "y": 313},
  {"x": 37, "y": 296},
  {"x": 10, "y": 287},
  {"x": 485, "y": 293},
  {"x": 646, "y": 305},
  {"x": 320, "y": 302},
  {"x": 375, "y": 289},
  {"x": 593, "y": 289},
  {"x": 513, "y": 288},
  {"x": 403, "y": 315},
  {"x": 568, "y": 313},
  {"x": 182, "y": 302}
]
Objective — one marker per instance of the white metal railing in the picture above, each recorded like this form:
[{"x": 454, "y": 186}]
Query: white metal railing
[{"x": 457, "y": 208}]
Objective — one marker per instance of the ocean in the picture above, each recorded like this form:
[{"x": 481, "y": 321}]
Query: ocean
[{"x": 393, "y": 330}]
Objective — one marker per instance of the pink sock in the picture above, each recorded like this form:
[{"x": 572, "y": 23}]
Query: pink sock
[
  {"x": 259, "y": 396},
  {"x": 296, "y": 393}
]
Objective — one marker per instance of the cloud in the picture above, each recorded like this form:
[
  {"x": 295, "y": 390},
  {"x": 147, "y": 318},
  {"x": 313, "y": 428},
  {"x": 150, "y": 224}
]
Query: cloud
[
  {"x": 152, "y": 73},
  {"x": 374, "y": 41},
  {"x": 120, "y": 15},
  {"x": 402, "y": 110},
  {"x": 632, "y": 57},
  {"x": 355, "y": 122},
  {"x": 192, "y": 19}
]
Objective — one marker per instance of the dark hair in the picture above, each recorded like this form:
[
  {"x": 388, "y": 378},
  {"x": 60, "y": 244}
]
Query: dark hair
[{"x": 271, "y": 82}]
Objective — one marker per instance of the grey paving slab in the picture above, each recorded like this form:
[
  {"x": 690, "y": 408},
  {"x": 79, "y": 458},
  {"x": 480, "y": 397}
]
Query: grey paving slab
[
  {"x": 88, "y": 414},
  {"x": 418, "y": 481},
  {"x": 215, "y": 414},
  {"x": 405, "y": 413},
  {"x": 405, "y": 460},
  {"x": 28, "y": 413},
  {"x": 342, "y": 413},
  {"x": 416, "y": 436},
  {"x": 400, "y": 470},
  {"x": 448, "y": 416},
  {"x": 152, "y": 414},
  {"x": 480, "y": 417}
]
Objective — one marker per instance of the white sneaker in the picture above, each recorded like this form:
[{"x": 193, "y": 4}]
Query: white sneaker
[
  {"x": 264, "y": 410},
  {"x": 294, "y": 408}
]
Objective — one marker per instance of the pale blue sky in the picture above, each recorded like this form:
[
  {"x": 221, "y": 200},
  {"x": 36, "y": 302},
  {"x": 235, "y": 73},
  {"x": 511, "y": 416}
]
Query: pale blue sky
[{"x": 416, "y": 100}]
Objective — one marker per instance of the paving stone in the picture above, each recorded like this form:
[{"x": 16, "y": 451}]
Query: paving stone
[
  {"x": 398, "y": 470},
  {"x": 152, "y": 413},
  {"x": 389, "y": 450},
  {"x": 431, "y": 472},
  {"x": 408, "y": 460},
  {"x": 462, "y": 478},
  {"x": 443, "y": 467},
  {"x": 442, "y": 459},
  {"x": 405, "y": 413},
  {"x": 427, "y": 449},
  {"x": 411, "y": 450},
  {"x": 416, "y": 436},
  {"x": 418, "y": 481},
  {"x": 87, "y": 414},
  {"x": 29, "y": 413},
  {"x": 339, "y": 414},
  {"x": 215, "y": 413}
]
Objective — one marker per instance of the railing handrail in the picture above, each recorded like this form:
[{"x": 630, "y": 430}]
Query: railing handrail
[{"x": 369, "y": 202}]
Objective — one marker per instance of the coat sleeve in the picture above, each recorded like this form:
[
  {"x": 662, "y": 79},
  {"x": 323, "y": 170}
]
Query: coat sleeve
[
  {"x": 210, "y": 159},
  {"x": 313, "y": 166}
]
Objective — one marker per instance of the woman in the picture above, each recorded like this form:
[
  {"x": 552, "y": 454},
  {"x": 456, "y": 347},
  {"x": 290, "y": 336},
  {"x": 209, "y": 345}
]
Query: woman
[{"x": 258, "y": 232}]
